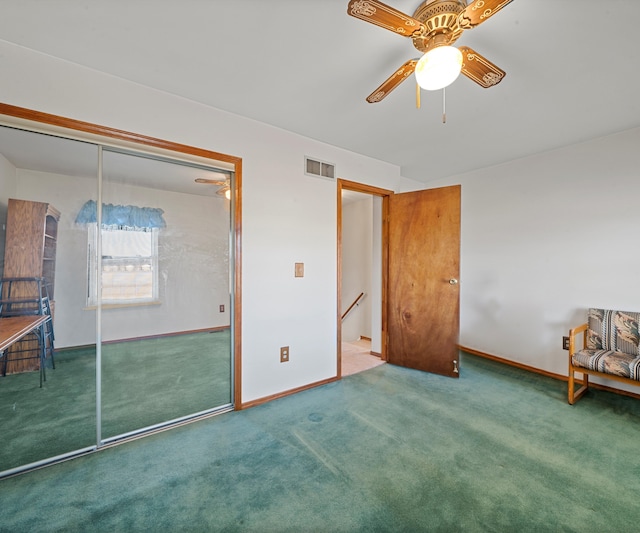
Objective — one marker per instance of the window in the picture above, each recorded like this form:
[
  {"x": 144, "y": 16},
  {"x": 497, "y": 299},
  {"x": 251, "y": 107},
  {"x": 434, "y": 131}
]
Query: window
[{"x": 129, "y": 267}]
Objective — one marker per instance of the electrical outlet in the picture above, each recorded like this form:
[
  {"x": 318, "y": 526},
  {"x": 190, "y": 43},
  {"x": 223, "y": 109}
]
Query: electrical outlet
[
  {"x": 284, "y": 354},
  {"x": 222, "y": 308},
  {"x": 565, "y": 343}
]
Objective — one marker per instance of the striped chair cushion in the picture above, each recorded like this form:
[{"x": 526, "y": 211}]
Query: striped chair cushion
[{"x": 609, "y": 362}]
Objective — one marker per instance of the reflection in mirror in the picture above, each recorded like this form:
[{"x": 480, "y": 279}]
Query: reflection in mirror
[
  {"x": 165, "y": 295},
  {"x": 43, "y": 182},
  {"x": 137, "y": 305}
]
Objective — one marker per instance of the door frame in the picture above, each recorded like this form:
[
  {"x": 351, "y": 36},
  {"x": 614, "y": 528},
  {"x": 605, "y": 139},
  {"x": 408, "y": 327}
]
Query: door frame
[{"x": 384, "y": 194}]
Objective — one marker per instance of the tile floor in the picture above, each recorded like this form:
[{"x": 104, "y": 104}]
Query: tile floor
[{"x": 356, "y": 357}]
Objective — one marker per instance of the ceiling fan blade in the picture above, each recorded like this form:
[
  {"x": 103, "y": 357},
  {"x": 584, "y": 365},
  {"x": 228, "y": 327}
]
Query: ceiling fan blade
[
  {"x": 384, "y": 16},
  {"x": 480, "y": 69},
  {"x": 393, "y": 81},
  {"x": 478, "y": 11},
  {"x": 220, "y": 183}
]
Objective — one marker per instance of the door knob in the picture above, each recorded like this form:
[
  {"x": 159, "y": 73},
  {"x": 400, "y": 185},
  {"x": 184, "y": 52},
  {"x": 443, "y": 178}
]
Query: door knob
[{"x": 453, "y": 281}]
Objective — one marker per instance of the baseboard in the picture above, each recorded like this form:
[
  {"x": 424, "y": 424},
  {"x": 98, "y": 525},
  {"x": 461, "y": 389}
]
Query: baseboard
[
  {"x": 171, "y": 334},
  {"x": 156, "y": 336},
  {"x": 553, "y": 375},
  {"x": 528, "y": 368},
  {"x": 266, "y": 399}
]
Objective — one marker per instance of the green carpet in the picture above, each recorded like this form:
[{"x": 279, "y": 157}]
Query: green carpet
[
  {"x": 150, "y": 381},
  {"x": 390, "y": 449},
  {"x": 145, "y": 382}
]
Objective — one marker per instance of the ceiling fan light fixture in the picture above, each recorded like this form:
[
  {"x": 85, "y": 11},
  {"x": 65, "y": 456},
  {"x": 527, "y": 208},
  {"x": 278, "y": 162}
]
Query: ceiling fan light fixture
[{"x": 438, "y": 68}]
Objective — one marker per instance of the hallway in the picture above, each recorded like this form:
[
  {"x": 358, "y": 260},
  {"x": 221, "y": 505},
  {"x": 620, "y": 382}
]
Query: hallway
[{"x": 356, "y": 357}]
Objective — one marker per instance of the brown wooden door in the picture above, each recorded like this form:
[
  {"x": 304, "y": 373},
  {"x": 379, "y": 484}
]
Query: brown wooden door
[{"x": 424, "y": 266}]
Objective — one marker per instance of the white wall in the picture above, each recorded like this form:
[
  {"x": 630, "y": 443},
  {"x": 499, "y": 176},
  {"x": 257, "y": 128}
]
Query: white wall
[
  {"x": 287, "y": 217},
  {"x": 357, "y": 249},
  {"x": 543, "y": 239}
]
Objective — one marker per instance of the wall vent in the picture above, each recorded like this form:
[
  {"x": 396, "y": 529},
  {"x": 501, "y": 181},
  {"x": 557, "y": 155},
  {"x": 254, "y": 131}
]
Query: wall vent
[{"x": 321, "y": 169}]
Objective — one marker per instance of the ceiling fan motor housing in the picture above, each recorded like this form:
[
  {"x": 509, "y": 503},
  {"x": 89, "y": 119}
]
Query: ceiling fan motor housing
[{"x": 440, "y": 17}]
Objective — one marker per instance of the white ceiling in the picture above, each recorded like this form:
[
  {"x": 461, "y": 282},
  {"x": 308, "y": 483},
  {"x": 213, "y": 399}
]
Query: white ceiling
[{"x": 306, "y": 66}]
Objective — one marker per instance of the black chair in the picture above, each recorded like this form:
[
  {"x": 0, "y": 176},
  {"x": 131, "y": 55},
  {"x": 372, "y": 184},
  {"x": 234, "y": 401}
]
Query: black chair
[{"x": 20, "y": 296}]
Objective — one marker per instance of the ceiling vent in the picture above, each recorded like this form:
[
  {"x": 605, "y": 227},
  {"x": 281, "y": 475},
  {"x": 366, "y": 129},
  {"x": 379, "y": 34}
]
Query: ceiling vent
[{"x": 321, "y": 169}]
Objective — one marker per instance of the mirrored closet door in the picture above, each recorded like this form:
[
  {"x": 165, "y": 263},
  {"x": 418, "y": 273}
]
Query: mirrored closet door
[
  {"x": 116, "y": 265},
  {"x": 44, "y": 182},
  {"x": 164, "y": 267}
]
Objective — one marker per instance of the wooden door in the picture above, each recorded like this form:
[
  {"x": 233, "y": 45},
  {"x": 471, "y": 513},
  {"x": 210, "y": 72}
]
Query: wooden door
[{"x": 424, "y": 266}]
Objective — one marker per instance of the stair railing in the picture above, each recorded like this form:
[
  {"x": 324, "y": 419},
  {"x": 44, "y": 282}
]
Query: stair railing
[{"x": 355, "y": 302}]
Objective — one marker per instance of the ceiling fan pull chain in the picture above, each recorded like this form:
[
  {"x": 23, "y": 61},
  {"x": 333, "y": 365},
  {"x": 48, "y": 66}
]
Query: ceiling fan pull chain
[
  {"x": 417, "y": 96},
  {"x": 444, "y": 106}
]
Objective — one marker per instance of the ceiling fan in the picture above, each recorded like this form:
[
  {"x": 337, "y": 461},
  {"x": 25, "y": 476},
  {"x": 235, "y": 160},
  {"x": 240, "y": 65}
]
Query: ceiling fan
[
  {"x": 433, "y": 28},
  {"x": 224, "y": 190}
]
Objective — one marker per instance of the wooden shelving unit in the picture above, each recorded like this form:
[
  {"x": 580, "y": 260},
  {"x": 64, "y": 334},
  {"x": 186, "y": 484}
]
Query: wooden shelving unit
[{"x": 30, "y": 251}]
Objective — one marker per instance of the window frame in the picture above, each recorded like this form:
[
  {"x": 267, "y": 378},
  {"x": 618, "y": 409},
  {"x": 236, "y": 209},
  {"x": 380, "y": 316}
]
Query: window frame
[{"x": 94, "y": 270}]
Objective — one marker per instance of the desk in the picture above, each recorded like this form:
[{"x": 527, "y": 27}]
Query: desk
[{"x": 14, "y": 328}]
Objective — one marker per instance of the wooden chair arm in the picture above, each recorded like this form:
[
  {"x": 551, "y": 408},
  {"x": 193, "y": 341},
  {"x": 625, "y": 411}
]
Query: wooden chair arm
[{"x": 573, "y": 333}]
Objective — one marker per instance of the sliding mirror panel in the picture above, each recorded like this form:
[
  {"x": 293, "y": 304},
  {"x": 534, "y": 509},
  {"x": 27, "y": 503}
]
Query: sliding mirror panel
[
  {"x": 44, "y": 182},
  {"x": 159, "y": 274}
]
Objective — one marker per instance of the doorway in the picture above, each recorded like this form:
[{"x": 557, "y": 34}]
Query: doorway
[{"x": 361, "y": 287}]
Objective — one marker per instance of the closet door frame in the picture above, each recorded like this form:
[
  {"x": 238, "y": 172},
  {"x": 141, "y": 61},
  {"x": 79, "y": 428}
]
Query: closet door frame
[{"x": 40, "y": 122}]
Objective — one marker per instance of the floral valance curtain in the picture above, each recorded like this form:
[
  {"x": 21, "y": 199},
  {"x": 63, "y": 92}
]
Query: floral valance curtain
[{"x": 122, "y": 216}]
